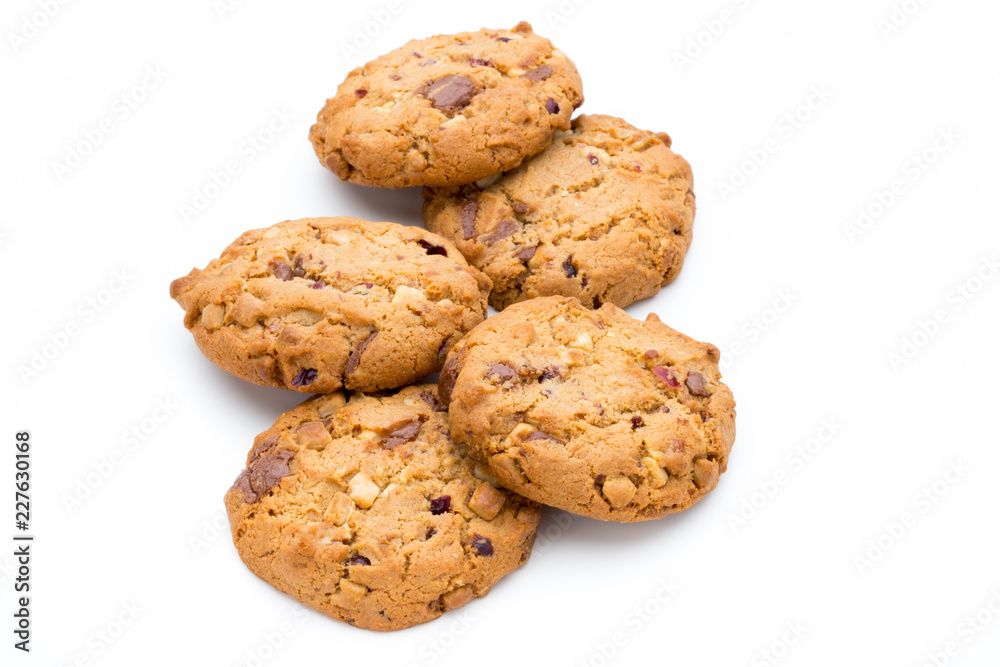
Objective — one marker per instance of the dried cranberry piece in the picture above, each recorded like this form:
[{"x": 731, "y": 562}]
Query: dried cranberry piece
[
  {"x": 667, "y": 376},
  {"x": 482, "y": 545},
  {"x": 569, "y": 268},
  {"x": 551, "y": 106},
  {"x": 440, "y": 505},
  {"x": 593, "y": 158},
  {"x": 360, "y": 92},
  {"x": 637, "y": 422},
  {"x": 358, "y": 560},
  {"x": 431, "y": 248}
]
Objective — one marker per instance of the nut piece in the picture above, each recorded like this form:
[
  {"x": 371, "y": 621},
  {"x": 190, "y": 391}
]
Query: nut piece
[
  {"x": 619, "y": 491},
  {"x": 339, "y": 510},
  {"x": 706, "y": 473},
  {"x": 457, "y": 598},
  {"x": 351, "y": 591},
  {"x": 362, "y": 490},
  {"x": 213, "y": 315},
  {"x": 313, "y": 435},
  {"x": 332, "y": 404},
  {"x": 486, "y": 501},
  {"x": 583, "y": 342},
  {"x": 658, "y": 477},
  {"x": 247, "y": 309},
  {"x": 406, "y": 293}
]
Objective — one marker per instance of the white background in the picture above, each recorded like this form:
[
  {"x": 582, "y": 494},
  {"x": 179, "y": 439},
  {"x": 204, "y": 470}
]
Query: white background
[{"x": 144, "y": 536}]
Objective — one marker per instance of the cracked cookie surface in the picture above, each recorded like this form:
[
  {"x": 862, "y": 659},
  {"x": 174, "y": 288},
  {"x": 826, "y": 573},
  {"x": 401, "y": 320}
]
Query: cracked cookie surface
[
  {"x": 365, "y": 510},
  {"x": 604, "y": 214},
  {"x": 317, "y": 304},
  {"x": 447, "y": 110},
  {"x": 591, "y": 411}
]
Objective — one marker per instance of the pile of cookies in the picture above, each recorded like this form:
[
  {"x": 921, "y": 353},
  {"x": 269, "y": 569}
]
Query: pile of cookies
[{"x": 386, "y": 506}]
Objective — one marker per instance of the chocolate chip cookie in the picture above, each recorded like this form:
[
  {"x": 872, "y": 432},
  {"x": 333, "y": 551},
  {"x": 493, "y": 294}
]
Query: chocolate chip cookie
[
  {"x": 603, "y": 214},
  {"x": 317, "y": 304},
  {"x": 447, "y": 110},
  {"x": 367, "y": 511},
  {"x": 591, "y": 411}
]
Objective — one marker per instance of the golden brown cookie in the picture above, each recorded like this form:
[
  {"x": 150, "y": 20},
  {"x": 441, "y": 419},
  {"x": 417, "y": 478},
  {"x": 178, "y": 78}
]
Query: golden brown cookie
[
  {"x": 447, "y": 110},
  {"x": 317, "y": 304},
  {"x": 603, "y": 214},
  {"x": 591, "y": 411},
  {"x": 367, "y": 512}
]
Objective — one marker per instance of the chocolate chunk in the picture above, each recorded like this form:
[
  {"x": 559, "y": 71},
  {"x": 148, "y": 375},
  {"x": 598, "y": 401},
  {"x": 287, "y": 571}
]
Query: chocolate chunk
[
  {"x": 395, "y": 77},
  {"x": 304, "y": 377},
  {"x": 467, "y": 215},
  {"x": 568, "y": 267},
  {"x": 431, "y": 532},
  {"x": 526, "y": 253},
  {"x": 538, "y": 74},
  {"x": 549, "y": 373},
  {"x": 440, "y": 505},
  {"x": 431, "y": 248},
  {"x": 476, "y": 62},
  {"x": 358, "y": 560},
  {"x": 402, "y": 434},
  {"x": 667, "y": 376},
  {"x": 597, "y": 304},
  {"x": 551, "y": 106},
  {"x": 637, "y": 422},
  {"x": 319, "y": 284},
  {"x": 542, "y": 435},
  {"x": 599, "y": 480},
  {"x": 503, "y": 372},
  {"x": 482, "y": 545},
  {"x": 652, "y": 354},
  {"x": 281, "y": 269},
  {"x": 432, "y": 400},
  {"x": 521, "y": 208},
  {"x": 696, "y": 383},
  {"x": 504, "y": 39},
  {"x": 503, "y": 229},
  {"x": 297, "y": 269},
  {"x": 360, "y": 92},
  {"x": 448, "y": 375},
  {"x": 584, "y": 282},
  {"x": 359, "y": 349},
  {"x": 593, "y": 159},
  {"x": 449, "y": 93},
  {"x": 267, "y": 467}
]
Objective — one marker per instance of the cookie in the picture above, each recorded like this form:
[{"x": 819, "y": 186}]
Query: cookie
[
  {"x": 317, "y": 304},
  {"x": 447, "y": 110},
  {"x": 603, "y": 214},
  {"x": 591, "y": 411},
  {"x": 366, "y": 511}
]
